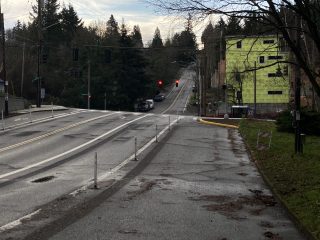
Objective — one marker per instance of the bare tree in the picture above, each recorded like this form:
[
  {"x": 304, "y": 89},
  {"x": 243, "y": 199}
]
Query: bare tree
[{"x": 286, "y": 17}]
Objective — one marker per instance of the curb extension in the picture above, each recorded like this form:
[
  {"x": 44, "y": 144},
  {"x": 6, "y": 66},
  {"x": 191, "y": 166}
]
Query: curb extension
[{"x": 217, "y": 124}]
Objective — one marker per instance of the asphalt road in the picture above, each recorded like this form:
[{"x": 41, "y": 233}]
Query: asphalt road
[
  {"x": 190, "y": 182},
  {"x": 177, "y": 97},
  {"x": 44, "y": 157},
  {"x": 197, "y": 183}
]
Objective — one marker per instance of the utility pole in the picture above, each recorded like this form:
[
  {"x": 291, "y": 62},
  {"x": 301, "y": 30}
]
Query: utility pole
[
  {"x": 40, "y": 6},
  {"x": 22, "y": 70},
  {"x": 3, "y": 73},
  {"x": 298, "y": 143},
  {"x": 89, "y": 80},
  {"x": 255, "y": 90},
  {"x": 105, "y": 101}
]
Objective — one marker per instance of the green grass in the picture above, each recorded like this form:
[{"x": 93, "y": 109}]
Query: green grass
[{"x": 296, "y": 179}]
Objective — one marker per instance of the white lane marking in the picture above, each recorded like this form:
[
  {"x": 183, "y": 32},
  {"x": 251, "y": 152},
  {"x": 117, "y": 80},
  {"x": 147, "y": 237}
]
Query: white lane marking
[
  {"x": 175, "y": 100},
  {"x": 125, "y": 162},
  {"x": 186, "y": 105},
  {"x": 53, "y": 132},
  {"x": 168, "y": 95},
  {"x": 69, "y": 151},
  {"x": 41, "y": 120},
  {"x": 18, "y": 222}
]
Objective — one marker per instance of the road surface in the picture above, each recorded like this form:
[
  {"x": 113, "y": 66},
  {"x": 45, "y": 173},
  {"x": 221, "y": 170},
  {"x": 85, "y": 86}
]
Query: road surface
[{"x": 161, "y": 175}]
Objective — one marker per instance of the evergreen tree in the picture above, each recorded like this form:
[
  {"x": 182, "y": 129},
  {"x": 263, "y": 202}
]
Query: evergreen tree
[
  {"x": 112, "y": 31},
  {"x": 157, "y": 40},
  {"x": 187, "y": 44},
  {"x": 136, "y": 37},
  {"x": 233, "y": 26},
  {"x": 70, "y": 23},
  {"x": 51, "y": 22}
]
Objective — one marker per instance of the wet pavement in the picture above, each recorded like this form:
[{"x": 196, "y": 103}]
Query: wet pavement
[{"x": 197, "y": 183}]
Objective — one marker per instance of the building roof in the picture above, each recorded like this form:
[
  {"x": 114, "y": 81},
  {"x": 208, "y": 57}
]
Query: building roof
[{"x": 252, "y": 36}]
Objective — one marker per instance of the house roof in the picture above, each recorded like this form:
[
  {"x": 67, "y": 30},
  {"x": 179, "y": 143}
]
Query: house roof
[{"x": 251, "y": 36}]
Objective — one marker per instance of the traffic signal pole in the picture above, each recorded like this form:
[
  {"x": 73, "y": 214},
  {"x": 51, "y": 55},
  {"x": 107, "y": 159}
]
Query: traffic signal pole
[
  {"x": 89, "y": 80},
  {"x": 3, "y": 73},
  {"x": 39, "y": 52}
]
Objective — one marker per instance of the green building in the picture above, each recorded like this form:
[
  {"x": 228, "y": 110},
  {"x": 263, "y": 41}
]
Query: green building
[{"x": 256, "y": 71}]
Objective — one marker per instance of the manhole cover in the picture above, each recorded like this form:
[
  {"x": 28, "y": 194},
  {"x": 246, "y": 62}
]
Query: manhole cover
[{"x": 43, "y": 179}]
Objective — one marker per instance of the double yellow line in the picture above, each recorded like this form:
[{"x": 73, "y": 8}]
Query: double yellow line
[{"x": 176, "y": 99}]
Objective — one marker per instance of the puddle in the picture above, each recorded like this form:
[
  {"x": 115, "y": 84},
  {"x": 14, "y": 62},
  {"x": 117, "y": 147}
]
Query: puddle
[{"x": 43, "y": 179}]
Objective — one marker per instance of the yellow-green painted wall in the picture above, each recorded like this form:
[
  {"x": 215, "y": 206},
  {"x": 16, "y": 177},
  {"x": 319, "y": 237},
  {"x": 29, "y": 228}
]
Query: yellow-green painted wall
[{"x": 243, "y": 60}]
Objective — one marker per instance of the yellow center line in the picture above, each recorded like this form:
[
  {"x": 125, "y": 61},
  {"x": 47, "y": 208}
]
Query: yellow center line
[{"x": 53, "y": 133}]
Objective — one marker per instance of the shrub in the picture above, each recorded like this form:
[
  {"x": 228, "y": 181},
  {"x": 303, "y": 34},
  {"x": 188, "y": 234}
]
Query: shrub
[{"x": 310, "y": 122}]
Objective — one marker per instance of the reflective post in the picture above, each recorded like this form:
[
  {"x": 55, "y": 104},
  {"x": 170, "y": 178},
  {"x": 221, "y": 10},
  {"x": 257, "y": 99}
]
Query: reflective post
[
  {"x": 2, "y": 117},
  {"x": 52, "y": 110},
  {"x": 95, "y": 172},
  {"x": 135, "y": 148},
  {"x": 30, "y": 117}
]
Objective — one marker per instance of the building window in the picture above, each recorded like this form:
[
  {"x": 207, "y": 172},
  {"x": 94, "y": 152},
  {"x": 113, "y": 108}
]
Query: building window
[
  {"x": 277, "y": 74},
  {"x": 282, "y": 45},
  {"x": 285, "y": 70},
  {"x": 275, "y": 57},
  {"x": 268, "y": 41},
  {"x": 261, "y": 59},
  {"x": 274, "y": 92},
  {"x": 239, "y": 44}
]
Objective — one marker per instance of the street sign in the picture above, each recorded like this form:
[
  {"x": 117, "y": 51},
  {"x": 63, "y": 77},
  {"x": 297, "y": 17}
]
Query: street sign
[{"x": 43, "y": 93}]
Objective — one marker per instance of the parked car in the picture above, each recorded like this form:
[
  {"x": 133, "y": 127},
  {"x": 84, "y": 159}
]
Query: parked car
[
  {"x": 143, "y": 106},
  {"x": 159, "y": 98},
  {"x": 151, "y": 103}
]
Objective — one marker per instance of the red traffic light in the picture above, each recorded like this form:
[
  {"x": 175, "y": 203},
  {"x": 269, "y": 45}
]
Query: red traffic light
[
  {"x": 160, "y": 83},
  {"x": 177, "y": 83}
]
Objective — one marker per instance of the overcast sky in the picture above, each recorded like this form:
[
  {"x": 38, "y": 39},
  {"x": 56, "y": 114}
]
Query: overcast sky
[{"x": 134, "y": 12}]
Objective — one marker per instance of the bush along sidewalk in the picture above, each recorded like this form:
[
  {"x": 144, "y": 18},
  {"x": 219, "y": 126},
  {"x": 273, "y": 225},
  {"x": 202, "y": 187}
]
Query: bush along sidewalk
[{"x": 294, "y": 178}]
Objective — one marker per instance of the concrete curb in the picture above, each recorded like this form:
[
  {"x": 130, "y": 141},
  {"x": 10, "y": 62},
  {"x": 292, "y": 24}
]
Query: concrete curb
[
  {"x": 44, "y": 108},
  {"x": 217, "y": 124},
  {"x": 305, "y": 231}
]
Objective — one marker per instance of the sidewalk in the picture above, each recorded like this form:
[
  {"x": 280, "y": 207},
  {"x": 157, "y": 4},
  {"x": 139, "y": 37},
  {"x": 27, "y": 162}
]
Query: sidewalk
[
  {"x": 43, "y": 108},
  {"x": 200, "y": 184}
]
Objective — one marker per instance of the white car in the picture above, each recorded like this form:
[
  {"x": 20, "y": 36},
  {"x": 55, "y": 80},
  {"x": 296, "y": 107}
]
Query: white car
[{"x": 151, "y": 103}]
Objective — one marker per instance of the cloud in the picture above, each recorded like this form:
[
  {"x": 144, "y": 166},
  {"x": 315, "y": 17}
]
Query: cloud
[{"x": 134, "y": 12}]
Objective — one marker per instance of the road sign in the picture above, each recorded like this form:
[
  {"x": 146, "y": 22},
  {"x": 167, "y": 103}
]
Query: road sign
[{"x": 43, "y": 93}]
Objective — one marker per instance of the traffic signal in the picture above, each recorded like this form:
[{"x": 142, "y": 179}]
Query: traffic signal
[
  {"x": 75, "y": 54},
  {"x": 107, "y": 56},
  {"x": 177, "y": 83},
  {"x": 44, "y": 58},
  {"x": 160, "y": 83}
]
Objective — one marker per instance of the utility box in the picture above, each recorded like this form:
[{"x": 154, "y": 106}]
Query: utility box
[
  {"x": 1, "y": 87},
  {"x": 239, "y": 111}
]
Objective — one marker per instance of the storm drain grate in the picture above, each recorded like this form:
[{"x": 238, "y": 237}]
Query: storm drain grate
[{"x": 43, "y": 179}]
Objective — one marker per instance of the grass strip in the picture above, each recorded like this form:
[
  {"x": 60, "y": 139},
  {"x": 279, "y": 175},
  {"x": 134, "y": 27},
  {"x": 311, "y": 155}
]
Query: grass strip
[{"x": 294, "y": 178}]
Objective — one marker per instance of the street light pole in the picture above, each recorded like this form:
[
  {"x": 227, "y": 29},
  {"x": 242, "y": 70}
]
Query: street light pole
[
  {"x": 3, "y": 73},
  {"x": 297, "y": 101},
  {"x": 89, "y": 80},
  {"x": 40, "y": 2}
]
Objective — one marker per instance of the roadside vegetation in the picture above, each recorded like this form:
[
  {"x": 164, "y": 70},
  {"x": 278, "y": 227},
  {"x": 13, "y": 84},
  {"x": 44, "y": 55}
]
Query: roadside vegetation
[
  {"x": 123, "y": 69},
  {"x": 294, "y": 178}
]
